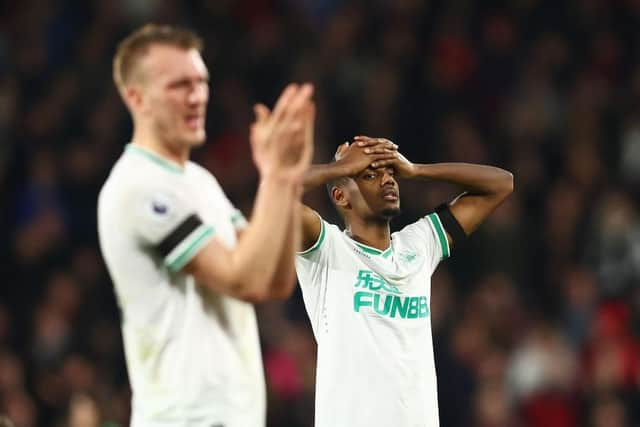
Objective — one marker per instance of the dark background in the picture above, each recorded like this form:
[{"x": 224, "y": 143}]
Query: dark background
[{"x": 535, "y": 321}]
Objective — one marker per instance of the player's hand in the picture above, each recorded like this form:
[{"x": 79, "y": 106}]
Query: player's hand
[
  {"x": 403, "y": 167},
  {"x": 353, "y": 158},
  {"x": 282, "y": 139},
  {"x": 299, "y": 169},
  {"x": 374, "y": 145}
]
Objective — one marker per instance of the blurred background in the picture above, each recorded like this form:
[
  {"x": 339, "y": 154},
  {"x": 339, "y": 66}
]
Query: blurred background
[{"x": 536, "y": 320}]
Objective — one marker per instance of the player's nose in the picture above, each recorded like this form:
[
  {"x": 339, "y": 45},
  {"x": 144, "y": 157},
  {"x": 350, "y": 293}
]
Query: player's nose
[
  {"x": 198, "y": 95},
  {"x": 388, "y": 179}
]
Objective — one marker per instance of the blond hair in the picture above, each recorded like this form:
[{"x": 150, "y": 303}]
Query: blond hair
[{"x": 137, "y": 44}]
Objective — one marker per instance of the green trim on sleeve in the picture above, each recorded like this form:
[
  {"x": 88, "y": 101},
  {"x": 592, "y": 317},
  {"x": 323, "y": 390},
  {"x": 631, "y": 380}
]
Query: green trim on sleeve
[
  {"x": 197, "y": 242},
  {"x": 238, "y": 220},
  {"x": 237, "y": 216},
  {"x": 442, "y": 237},
  {"x": 317, "y": 244}
]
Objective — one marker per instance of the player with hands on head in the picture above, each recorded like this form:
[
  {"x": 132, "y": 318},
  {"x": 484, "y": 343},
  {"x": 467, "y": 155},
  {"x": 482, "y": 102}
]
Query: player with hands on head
[
  {"x": 185, "y": 263},
  {"x": 367, "y": 290},
  {"x": 485, "y": 187}
]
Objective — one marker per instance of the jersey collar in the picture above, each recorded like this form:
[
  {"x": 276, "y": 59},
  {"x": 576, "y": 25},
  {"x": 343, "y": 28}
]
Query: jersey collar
[
  {"x": 371, "y": 250},
  {"x": 161, "y": 161}
]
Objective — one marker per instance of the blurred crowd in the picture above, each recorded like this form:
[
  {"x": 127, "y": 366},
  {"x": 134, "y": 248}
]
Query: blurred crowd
[{"x": 536, "y": 320}]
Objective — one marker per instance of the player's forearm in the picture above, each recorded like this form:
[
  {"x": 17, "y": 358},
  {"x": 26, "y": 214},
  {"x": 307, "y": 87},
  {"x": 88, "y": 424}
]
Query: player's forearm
[
  {"x": 284, "y": 278},
  {"x": 475, "y": 179},
  {"x": 256, "y": 257},
  {"x": 320, "y": 174}
]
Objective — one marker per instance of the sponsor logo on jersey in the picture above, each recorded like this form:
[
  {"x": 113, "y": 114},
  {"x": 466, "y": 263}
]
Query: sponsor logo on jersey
[
  {"x": 367, "y": 279},
  {"x": 376, "y": 294}
]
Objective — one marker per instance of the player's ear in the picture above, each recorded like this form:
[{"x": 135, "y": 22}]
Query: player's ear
[
  {"x": 132, "y": 96},
  {"x": 339, "y": 197}
]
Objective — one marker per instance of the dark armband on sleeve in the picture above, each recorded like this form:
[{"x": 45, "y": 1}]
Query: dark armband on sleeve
[
  {"x": 178, "y": 234},
  {"x": 451, "y": 224}
]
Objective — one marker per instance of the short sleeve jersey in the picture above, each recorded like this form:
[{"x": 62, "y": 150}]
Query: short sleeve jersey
[
  {"x": 193, "y": 355},
  {"x": 370, "y": 314}
]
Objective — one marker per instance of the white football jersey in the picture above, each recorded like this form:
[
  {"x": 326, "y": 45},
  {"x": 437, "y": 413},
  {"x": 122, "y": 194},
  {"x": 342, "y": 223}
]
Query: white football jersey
[
  {"x": 193, "y": 355},
  {"x": 369, "y": 310}
]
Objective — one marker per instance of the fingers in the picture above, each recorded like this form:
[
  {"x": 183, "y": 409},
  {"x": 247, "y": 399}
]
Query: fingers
[
  {"x": 284, "y": 99},
  {"x": 380, "y": 149},
  {"x": 262, "y": 112},
  {"x": 310, "y": 115},
  {"x": 293, "y": 101},
  {"x": 365, "y": 141},
  {"x": 342, "y": 147},
  {"x": 375, "y": 145},
  {"x": 382, "y": 163},
  {"x": 299, "y": 102},
  {"x": 310, "y": 119},
  {"x": 341, "y": 151},
  {"x": 384, "y": 156},
  {"x": 292, "y": 112},
  {"x": 299, "y": 168},
  {"x": 381, "y": 160},
  {"x": 283, "y": 138}
]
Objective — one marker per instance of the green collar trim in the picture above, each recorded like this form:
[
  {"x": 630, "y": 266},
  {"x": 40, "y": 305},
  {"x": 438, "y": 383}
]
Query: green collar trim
[
  {"x": 373, "y": 251},
  {"x": 160, "y": 161}
]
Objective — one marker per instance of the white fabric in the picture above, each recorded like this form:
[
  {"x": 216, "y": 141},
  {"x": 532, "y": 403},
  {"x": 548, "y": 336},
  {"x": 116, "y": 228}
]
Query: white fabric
[
  {"x": 193, "y": 356},
  {"x": 370, "y": 316}
]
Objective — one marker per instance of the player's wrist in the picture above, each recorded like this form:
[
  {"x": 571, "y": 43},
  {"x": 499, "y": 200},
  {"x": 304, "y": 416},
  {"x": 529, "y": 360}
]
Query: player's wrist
[
  {"x": 410, "y": 171},
  {"x": 282, "y": 178},
  {"x": 422, "y": 171}
]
